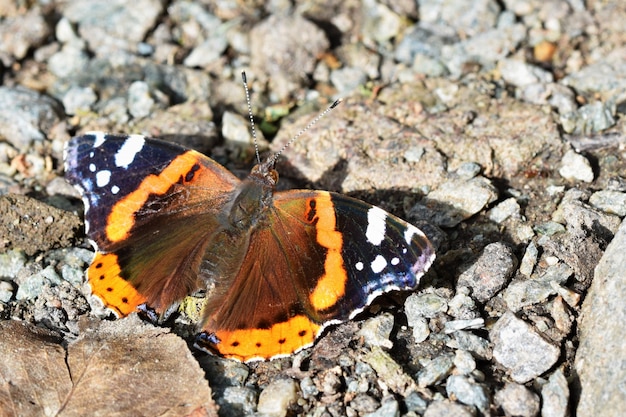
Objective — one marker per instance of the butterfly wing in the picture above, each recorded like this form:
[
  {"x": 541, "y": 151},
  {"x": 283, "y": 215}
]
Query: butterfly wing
[
  {"x": 151, "y": 208},
  {"x": 320, "y": 259}
]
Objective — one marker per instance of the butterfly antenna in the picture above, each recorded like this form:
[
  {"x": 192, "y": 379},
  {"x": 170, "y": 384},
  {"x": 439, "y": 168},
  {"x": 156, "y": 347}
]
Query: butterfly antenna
[
  {"x": 307, "y": 127},
  {"x": 245, "y": 86}
]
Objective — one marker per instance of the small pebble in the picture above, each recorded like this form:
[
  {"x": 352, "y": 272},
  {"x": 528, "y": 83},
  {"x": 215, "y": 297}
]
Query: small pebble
[
  {"x": 435, "y": 370},
  {"x": 555, "y": 396},
  {"x": 467, "y": 391},
  {"x": 576, "y": 167},
  {"x": 527, "y": 265},
  {"x": 490, "y": 272},
  {"x": 517, "y": 400},
  {"x": 612, "y": 202},
  {"x": 464, "y": 362},
  {"x": 447, "y": 408},
  {"x": 277, "y": 397},
  {"x": 377, "y": 330},
  {"x": 520, "y": 349},
  {"x": 509, "y": 208}
]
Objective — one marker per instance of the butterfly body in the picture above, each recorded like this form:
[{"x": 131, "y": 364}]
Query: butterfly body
[{"x": 167, "y": 221}]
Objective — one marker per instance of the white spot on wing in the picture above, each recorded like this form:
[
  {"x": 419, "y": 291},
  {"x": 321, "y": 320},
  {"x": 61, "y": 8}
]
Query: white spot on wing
[
  {"x": 359, "y": 266},
  {"x": 115, "y": 189},
  {"x": 395, "y": 261},
  {"x": 131, "y": 147},
  {"x": 103, "y": 177},
  {"x": 92, "y": 167},
  {"x": 410, "y": 232},
  {"x": 100, "y": 138},
  {"x": 376, "y": 225},
  {"x": 378, "y": 264}
]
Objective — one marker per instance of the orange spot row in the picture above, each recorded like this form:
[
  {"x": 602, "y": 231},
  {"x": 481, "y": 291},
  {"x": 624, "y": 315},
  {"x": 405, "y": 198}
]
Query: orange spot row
[
  {"x": 115, "y": 292},
  {"x": 280, "y": 339},
  {"x": 122, "y": 217}
]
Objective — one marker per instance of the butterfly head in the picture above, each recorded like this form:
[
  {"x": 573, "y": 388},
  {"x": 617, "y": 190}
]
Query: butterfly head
[{"x": 265, "y": 172}]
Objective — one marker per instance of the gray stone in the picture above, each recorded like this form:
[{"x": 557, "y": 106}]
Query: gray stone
[
  {"x": 549, "y": 228},
  {"x": 464, "y": 362},
  {"x": 523, "y": 293},
  {"x": 478, "y": 346},
  {"x": 581, "y": 217},
  {"x": 468, "y": 170},
  {"x": 208, "y": 51},
  {"x": 21, "y": 33},
  {"x": 277, "y": 397},
  {"x": 601, "y": 356},
  {"x": 308, "y": 388},
  {"x": 6, "y": 291},
  {"x": 490, "y": 272},
  {"x": 435, "y": 370},
  {"x": 346, "y": 80},
  {"x": 556, "y": 95},
  {"x": 140, "y": 102},
  {"x": 25, "y": 115},
  {"x": 527, "y": 265},
  {"x": 454, "y": 325},
  {"x": 462, "y": 306},
  {"x": 115, "y": 24},
  {"x": 388, "y": 371},
  {"x": 447, "y": 408},
  {"x": 380, "y": 23},
  {"x": 78, "y": 99},
  {"x": 11, "y": 262},
  {"x": 520, "y": 349},
  {"x": 576, "y": 167},
  {"x": 32, "y": 286},
  {"x": 465, "y": 18},
  {"x": 424, "y": 305},
  {"x": 237, "y": 401},
  {"x": 296, "y": 44},
  {"x": 377, "y": 330},
  {"x": 457, "y": 200},
  {"x": 420, "y": 327},
  {"x": 389, "y": 408},
  {"x": 521, "y": 74},
  {"x": 467, "y": 391},
  {"x": 507, "y": 209},
  {"x": 364, "y": 403},
  {"x": 517, "y": 400},
  {"x": 555, "y": 396},
  {"x": 485, "y": 48},
  {"x": 419, "y": 42},
  {"x": 603, "y": 76},
  {"x": 590, "y": 118},
  {"x": 236, "y": 128},
  {"x": 613, "y": 202}
]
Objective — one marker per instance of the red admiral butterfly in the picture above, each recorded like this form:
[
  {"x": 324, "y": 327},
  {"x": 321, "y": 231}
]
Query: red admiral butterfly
[{"x": 167, "y": 221}]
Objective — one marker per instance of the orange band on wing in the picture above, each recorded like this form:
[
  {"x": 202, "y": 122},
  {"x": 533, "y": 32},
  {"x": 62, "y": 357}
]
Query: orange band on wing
[
  {"x": 281, "y": 339},
  {"x": 122, "y": 217},
  {"x": 115, "y": 292},
  {"x": 332, "y": 285}
]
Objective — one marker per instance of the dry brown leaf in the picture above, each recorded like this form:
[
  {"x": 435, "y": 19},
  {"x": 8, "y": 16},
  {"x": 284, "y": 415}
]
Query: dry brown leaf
[{"x": 120, "y": 368}]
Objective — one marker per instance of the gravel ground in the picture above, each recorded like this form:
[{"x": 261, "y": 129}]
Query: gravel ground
[{"x": 495, "y": 126}]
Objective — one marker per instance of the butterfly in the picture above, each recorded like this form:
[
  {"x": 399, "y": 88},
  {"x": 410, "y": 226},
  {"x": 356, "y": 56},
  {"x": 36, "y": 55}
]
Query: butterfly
[{"x": 281, "y": 266}]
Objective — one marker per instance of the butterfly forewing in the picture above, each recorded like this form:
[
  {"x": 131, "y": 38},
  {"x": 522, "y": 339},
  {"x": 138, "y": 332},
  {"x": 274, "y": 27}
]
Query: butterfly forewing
[{"x": 151, "y": 208}]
